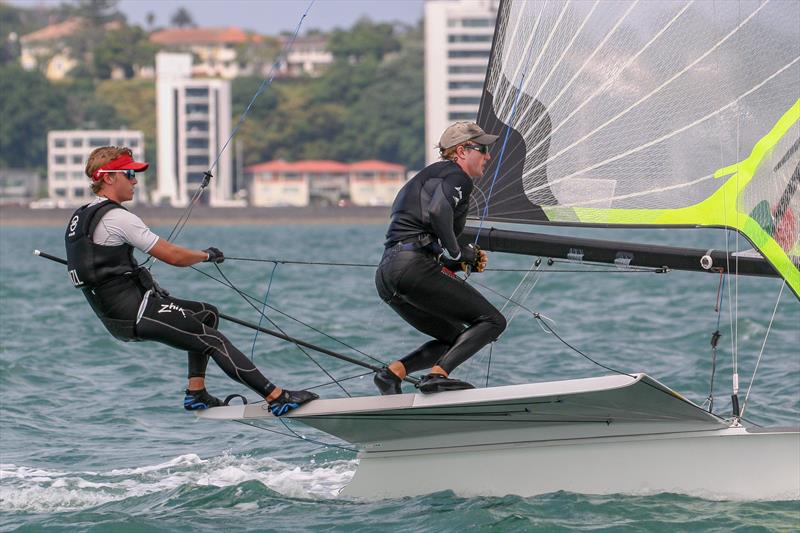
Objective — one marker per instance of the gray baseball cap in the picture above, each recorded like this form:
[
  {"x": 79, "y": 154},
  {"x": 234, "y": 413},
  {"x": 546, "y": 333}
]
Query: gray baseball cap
[{"x": 462, "y": 132}]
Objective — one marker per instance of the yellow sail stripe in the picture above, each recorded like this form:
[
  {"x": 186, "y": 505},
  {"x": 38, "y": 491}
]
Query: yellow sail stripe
[{"x": 718, "y": 210}]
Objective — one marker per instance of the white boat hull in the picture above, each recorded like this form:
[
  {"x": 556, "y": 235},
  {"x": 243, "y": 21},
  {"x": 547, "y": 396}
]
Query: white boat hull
[
  {"x": 718, "y": 464},
  {"x": 604, "y": 435}
]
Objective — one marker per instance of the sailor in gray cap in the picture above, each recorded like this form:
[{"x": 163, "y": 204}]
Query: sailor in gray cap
[{"x": 416, "y": 275}]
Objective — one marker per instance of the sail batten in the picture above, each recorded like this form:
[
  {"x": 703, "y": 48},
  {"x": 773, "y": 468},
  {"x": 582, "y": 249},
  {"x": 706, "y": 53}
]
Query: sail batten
[{"x": 660, "y": 113}]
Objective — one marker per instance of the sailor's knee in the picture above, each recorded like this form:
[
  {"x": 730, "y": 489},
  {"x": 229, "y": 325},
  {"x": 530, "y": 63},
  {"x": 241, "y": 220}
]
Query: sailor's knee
[{"x": 498, "y": 322}]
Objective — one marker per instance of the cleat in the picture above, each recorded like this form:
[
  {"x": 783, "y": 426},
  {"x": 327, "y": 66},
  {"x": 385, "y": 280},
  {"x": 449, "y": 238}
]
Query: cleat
[
  {"x": 199, "y": 399},
  {"x": 438, "y": 383},
  {"x": 290, "y": 400},
  {"x": 387, "y": 382}
]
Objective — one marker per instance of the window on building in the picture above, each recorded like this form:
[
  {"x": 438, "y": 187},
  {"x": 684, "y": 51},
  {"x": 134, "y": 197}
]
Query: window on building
[
  {"x": 196, "y": 108},
  {"x": 197, "y": 91},
  {"x": 468, "y": 53},
  {"x": 469, "y": 38},
  {"x": 77, "y": 159},
  {"x": 60, "y": 159},
  {"x": 460, "y": 116},
  {"x": 77, "y": 143},
  {"x": 465, "y": 85},
  {"x": 77, "y": 175},
  {"x": 196, "y": 143},
  {"x": 197, "y": 160},
  {"x": 466, "y": 69},
  {"x": 197, "y": 125},
  {"x": 79, "y": 192},
  {"x": 194, "y": 177},
  {"x": 99, "y": 141},
  {"x": 60, "y": 193},
  {"x": 60, "y": 143},
  {"x": 477, "y": 23},
  {"x": 59, "y": 176},
  {"x": 461, "y": 100},
  {"x": 133, "y": 143}
]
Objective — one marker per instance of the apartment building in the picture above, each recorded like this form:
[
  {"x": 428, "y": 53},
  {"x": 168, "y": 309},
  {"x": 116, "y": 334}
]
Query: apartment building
[
  {"x": 458, "y": 41},
  {"x": 193, "y": 122},
  {"x": 67, "y": 153},
  {"x": 214, "y": 50}
]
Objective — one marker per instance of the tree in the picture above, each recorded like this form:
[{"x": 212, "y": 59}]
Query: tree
[
  {"x": 150, "y": 18},
  {"x": 182, "y": 19},
  {"x": 365, "y": 39},
  {"x": 125, "y": 48},
  {"x": 30, "y": 107}
]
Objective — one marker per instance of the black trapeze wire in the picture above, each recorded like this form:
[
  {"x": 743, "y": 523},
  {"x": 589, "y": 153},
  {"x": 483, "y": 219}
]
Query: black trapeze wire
[
  {"x": 293, "y": 434},
  {"x": 276, "y": 326}
]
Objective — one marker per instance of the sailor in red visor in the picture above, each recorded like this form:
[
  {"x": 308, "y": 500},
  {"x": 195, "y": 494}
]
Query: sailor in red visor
[{"x": 100, "y": 239}]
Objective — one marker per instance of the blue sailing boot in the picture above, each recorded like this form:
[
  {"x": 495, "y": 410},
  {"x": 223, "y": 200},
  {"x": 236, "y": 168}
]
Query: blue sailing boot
[
  {"x": 199, "y": 399},
  {"x": 289, "y": 400}
]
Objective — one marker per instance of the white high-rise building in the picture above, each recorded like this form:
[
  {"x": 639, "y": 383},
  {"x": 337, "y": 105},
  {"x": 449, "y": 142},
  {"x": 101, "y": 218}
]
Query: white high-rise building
[
  {"x": 67, "y": 153},
  {"x": 458, "y": 40},
  {"x": 194, "y": 121}
]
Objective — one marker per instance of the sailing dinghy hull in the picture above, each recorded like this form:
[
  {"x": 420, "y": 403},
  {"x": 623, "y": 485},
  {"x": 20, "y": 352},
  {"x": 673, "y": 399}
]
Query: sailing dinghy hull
[{"x": 612, "y": 434}]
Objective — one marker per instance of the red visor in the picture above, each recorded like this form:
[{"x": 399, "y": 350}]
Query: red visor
[{"x": 123, "y": 162}]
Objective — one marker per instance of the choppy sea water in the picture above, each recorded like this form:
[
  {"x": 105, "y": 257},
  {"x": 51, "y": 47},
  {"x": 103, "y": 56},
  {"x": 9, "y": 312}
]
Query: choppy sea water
[{"x": 93, "y": 436}]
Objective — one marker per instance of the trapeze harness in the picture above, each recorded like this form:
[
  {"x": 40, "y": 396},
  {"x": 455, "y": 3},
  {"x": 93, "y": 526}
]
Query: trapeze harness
[
  {"x": 132, "y": 306},
  {"x": 429, "y": 213}
]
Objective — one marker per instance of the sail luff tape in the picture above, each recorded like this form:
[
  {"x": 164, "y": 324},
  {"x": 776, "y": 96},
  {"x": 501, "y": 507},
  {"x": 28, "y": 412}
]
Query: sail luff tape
[{"x": 706, "y": 261}]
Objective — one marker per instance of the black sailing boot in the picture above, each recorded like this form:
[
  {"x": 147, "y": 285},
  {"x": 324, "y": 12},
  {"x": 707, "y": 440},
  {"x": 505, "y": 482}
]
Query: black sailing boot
[
  {"x": 387, "y": 382},
  {"x": 439, "y": 383},
  {"x": 199, "y": 399}
]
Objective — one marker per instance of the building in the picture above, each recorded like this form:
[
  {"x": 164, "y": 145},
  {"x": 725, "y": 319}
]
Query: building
[
  {"x": 67, "y": 153},
  {"x": 47, "y": 48},
  {"x": 458, "y": 40},
  {"x": 193, "y": 122},
  {"x": 308, "y": 56},
  {"x": 375, "y": 182},
  {"x": 19, "y": 186},
  {"x": 215, "y": 51},
  {"x": 300, "y": 183}
]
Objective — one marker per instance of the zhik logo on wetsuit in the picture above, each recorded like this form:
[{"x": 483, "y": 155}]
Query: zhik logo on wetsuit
[
  {"x": 460, "y": 195},
  {"x": 168, "y": 308}
]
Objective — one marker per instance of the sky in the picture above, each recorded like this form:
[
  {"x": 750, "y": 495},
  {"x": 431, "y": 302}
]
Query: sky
[{"x": 265, "y": 16}]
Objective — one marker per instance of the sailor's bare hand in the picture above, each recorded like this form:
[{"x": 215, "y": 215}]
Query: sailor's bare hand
[{"x": 483, "y": 260}]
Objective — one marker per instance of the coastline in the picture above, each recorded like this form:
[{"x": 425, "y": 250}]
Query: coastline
[{"x": 16, "y": 216}]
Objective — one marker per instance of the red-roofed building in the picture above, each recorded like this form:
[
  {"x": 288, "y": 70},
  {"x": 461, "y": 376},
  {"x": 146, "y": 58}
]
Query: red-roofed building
[
  {"x": 214, "y": 49},
  {"x": 46, "y": 47},
  {"x": 325, "y": 182}
]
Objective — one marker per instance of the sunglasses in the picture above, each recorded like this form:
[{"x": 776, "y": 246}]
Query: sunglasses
[
  {"x": 129, "y": 172},
  {"x": 482, "y": 148}
]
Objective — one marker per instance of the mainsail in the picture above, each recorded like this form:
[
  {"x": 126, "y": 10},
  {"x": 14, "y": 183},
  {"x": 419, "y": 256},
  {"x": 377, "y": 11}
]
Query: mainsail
[{"x": 658, "y": 113}]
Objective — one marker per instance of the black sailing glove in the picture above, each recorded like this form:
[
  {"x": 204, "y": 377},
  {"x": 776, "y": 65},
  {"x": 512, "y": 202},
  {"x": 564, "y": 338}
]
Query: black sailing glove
[{"x": 215, "y": 255}]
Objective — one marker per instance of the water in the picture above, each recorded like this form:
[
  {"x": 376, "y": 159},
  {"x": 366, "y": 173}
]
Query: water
[{"x": 94, "y": 437}]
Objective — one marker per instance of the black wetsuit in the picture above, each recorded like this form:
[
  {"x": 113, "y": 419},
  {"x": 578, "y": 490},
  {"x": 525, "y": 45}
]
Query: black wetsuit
[
  {"x": 116, "y": 286},
  {"x": 429, "y": 213}
]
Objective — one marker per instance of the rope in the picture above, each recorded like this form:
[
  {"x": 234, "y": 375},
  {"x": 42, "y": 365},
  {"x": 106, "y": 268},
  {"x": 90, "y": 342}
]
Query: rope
[
  {"x": 262, "y": 312},
  {"x": 372, "y": 265},
  {"x": 276, "y": 326},
  {"x": 761, "y": 353},
  {"x": 509, "y": 126},
  {"x": 294, "y": 434},
  {"x": 309, "y": 326},
  {"x": 265, "y": 83}
]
